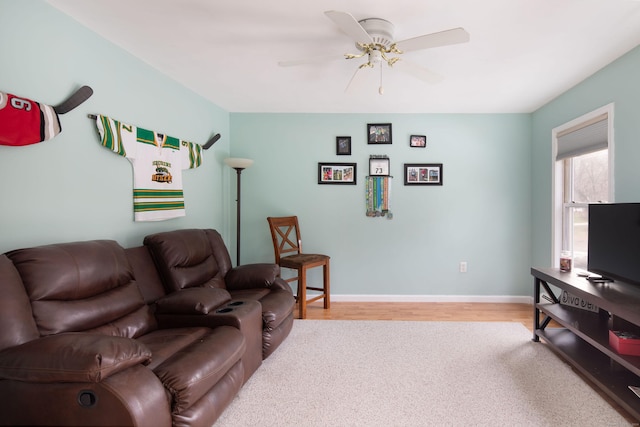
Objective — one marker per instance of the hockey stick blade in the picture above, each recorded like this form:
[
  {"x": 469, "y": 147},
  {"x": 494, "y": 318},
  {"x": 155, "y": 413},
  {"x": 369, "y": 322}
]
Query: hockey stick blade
[
  {"x": 211, "y": 141},
  {"x": 74, "y": 100}
]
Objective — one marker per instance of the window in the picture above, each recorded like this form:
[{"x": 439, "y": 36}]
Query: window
[
  {"x": 582, "y": 175},
  {"x": 585, "y": 181}
]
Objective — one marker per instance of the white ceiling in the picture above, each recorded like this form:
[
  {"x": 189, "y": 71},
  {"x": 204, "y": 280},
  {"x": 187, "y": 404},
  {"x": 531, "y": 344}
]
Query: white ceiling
[{"x": 522, "y": 53}]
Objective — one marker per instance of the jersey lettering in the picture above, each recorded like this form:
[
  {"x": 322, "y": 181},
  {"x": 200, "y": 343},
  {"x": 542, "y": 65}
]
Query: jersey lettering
[{"x": 21, "y": 104}]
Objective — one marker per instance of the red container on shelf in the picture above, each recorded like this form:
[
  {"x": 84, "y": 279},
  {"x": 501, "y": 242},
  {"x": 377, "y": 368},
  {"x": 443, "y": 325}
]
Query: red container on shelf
[{"x": 625, "y": 342}]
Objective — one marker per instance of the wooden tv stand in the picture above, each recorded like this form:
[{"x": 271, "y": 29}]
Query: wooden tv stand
[{"x": 583, "y": 338}]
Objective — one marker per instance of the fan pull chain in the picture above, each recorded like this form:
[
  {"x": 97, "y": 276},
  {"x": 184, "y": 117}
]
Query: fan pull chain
[{"x": 381, "y": 89}]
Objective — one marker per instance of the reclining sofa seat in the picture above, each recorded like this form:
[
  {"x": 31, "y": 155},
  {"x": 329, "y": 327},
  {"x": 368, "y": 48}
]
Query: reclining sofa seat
[
  {"x": 193, "y": 258},
  {"x": 210, "y": 307},
  {"x": 79, "y": 346}
]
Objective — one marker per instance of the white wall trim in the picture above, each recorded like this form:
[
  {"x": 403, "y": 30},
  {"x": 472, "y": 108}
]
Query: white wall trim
[{"x": 434, "y": 298}]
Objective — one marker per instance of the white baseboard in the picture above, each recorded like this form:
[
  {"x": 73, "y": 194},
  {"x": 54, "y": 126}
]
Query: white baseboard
[{"x": 434, "y": 298}]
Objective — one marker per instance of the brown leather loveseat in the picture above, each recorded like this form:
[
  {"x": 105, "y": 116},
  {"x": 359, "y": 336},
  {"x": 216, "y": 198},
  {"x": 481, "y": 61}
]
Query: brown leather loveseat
[{"x": 89, "y": 336}]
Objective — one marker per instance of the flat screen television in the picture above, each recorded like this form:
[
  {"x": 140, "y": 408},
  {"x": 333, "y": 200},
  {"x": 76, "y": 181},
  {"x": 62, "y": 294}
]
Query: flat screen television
[{"x": 614, "y": 241}]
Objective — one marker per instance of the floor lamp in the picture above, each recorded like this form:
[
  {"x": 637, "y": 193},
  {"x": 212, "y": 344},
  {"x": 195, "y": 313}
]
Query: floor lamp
[{"x": 239, "y": 165}]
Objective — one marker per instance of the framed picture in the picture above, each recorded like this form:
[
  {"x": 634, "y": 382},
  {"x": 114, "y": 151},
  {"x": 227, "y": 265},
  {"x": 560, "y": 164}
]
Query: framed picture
[
  {"x": 379, "y": 133},
  {"x": 423, "y": 174},
  {"x": 418, "y": 141},
  {"x": 343, "y": 145},
  {"x": 337, "y": 173}
]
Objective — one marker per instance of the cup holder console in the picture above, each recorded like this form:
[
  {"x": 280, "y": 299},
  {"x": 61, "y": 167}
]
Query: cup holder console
[{"x": 229, "y": 307}]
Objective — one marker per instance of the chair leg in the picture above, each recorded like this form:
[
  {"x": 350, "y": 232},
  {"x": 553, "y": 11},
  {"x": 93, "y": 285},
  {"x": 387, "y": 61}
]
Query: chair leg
[
  {"x": 302, "y": 293},
  {"x": 325, "y": 268}
]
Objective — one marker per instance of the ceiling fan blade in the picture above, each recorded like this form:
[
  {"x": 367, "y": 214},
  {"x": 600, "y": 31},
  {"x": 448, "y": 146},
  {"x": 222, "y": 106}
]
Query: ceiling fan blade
[
  {"x": 349, "y": 25},
  {"x": 316, "y": 60},
  {"x": 443, "y": 38},
  {"x": 346, "y": 89},
  {"x": 418, "y": 71}
]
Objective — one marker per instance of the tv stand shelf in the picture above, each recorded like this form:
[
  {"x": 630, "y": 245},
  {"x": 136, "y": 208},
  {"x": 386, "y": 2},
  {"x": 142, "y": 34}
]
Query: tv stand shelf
[{"x": 583, "y": 338}]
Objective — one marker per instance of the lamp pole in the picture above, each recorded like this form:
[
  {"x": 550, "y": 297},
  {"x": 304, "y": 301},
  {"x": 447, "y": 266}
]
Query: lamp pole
[{"x": 239, "y": 165}]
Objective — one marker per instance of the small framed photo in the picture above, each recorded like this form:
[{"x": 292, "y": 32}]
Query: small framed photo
[
  {"x": 379, "y": 133},
  {"x": 423, "y": 174},
  {"x": 418, "y": 141},
  {"x": 343, "y": 145},
  {"x": 337, "y": 173}
]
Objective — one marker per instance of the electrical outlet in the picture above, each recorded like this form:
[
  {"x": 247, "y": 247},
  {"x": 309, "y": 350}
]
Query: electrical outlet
[{"x": 463, "y": 266}]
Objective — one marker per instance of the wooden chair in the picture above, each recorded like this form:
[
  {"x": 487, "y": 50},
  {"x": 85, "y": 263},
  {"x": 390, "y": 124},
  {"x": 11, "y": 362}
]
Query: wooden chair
[{"x": 287, "y": 247}]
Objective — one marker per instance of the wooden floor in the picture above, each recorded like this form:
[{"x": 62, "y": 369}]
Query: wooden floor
[
  {"x": 437, "y": 311},
  {"x": 433, "y": 311}
]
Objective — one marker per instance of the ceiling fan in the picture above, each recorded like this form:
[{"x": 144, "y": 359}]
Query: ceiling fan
[{"x": 374, "y": 39}]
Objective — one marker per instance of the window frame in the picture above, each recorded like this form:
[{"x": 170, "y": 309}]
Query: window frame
[{"x": 561, "y": 176}]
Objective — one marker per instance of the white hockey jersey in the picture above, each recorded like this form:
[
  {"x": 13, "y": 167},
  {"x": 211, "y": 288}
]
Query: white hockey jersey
[{"x": 157, "y": 161}]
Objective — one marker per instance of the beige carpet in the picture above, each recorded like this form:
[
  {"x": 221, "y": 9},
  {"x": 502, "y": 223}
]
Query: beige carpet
[{"x": 396, "y": 373}]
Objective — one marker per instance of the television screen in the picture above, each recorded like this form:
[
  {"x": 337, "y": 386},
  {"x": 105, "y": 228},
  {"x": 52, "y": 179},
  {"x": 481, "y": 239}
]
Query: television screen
[{"x": 614, "y": 241}]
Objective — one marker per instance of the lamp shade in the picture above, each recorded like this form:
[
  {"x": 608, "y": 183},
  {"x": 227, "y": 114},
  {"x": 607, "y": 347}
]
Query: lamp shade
[{"x": 238, "y": 163}]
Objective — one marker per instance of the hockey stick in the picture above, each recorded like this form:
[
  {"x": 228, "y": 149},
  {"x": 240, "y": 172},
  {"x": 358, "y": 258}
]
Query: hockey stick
[
  {"x": 206, "y": 146},
  {"x": 211, "y": 141},
  {"x": 74, "y": 100}
]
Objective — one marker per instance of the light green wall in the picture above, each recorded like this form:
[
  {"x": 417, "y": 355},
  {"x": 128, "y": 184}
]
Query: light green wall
[
  {"x": 617, "y": 83},
  {"x": 480, "y": 215},
  {"x": 494, "y": 210},
  {"x": 70, "y": 188}
]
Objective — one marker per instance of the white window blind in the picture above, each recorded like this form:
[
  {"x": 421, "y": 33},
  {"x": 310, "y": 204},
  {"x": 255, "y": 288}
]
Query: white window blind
[{"x": 584, "y": 138}]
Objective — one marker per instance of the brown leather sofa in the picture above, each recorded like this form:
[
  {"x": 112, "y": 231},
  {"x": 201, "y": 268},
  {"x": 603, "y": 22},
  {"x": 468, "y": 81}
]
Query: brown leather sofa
[{"x": 89, "y": 336}]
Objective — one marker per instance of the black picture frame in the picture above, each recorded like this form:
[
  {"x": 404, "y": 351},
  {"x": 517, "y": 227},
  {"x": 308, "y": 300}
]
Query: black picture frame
[
  {"x": 343, "y": 145},
  {"x": 379, "y": 133},
  {"x": 423, "y": 174},
  {"x": 337, "y": 173},
  {"x": 419, "y": 141}
]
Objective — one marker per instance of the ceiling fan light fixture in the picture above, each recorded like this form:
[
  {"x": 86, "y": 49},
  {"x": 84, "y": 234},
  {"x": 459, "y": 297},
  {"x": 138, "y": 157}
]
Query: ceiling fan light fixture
[{"x": 380, "y": 30}]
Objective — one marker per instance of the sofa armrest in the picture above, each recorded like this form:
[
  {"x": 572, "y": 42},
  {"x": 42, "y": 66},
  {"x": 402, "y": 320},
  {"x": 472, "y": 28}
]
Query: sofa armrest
[
  {"x": 280, "y": 283},
  {"x": 250, "y": 276},
  {"x": 71, "y": 357},
  {"x": 192, "y": 301}
]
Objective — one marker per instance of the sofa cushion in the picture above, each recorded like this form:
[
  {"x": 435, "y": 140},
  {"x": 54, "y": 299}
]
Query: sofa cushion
[
  {"x": 164, "y": 343},
  {"x": 55, "y": 316},
  {"x": 72, "y": 271},
  {"x": 196, "y": 360},
  {"x": 71, "y": 357},
  {"x": 192, "y": 301},
  {"x": 189, "y": 258},
  {"x": 80, "y": 286},
  {"x": 16, "y": 321},
  {"x": 133, "y": 325}
]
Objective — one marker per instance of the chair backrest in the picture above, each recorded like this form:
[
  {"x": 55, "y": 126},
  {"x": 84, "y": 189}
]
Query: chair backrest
[{"x": 285, "y": 233}]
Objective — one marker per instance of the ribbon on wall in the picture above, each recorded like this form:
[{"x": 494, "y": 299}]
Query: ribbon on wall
[{"x": 378, "y": 196}]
